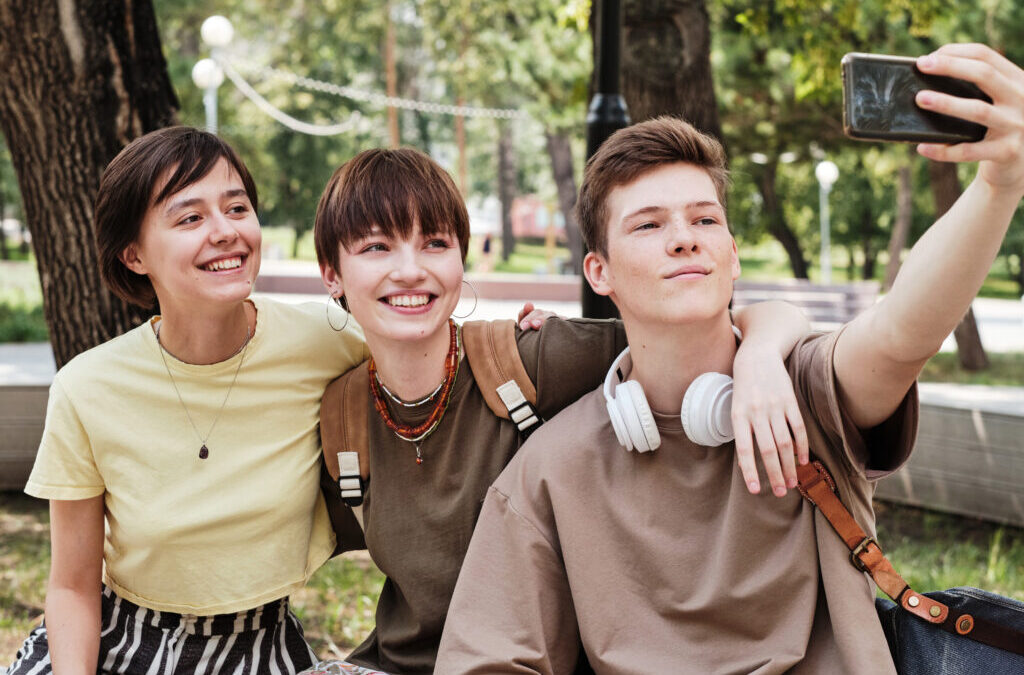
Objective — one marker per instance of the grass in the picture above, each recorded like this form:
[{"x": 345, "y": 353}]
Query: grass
[
  {"x": 1007, "y": 368},
  {"x": 932, "y": 550}
]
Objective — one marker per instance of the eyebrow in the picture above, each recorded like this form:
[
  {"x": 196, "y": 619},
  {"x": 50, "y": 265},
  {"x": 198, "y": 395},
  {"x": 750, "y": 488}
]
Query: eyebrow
[
  {"x": 184, "y": 203},
  {"x": 655, "y": 209}
]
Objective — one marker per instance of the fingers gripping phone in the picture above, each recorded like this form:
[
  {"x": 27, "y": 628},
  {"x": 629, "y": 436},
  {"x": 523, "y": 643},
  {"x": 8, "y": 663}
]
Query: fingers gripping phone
[{"x": 878, "y": 102}]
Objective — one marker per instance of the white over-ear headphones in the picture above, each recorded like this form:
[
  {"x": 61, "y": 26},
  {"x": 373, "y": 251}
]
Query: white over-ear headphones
[{"x": 706, "y": 411}]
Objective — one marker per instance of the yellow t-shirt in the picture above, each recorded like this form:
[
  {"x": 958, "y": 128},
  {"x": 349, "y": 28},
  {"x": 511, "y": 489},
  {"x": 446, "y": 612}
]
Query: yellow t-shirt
[{"x": 243, "y": 527}]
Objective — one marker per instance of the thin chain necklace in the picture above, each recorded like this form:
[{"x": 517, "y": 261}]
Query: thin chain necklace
[
  {"x": 416, "y": 435},
  {"x": 407, "y": 404},
  {"x": 204, "y": 452}
]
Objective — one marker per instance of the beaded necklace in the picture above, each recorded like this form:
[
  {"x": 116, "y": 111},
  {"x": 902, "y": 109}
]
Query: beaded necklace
[{"x": 418, "y": 433}]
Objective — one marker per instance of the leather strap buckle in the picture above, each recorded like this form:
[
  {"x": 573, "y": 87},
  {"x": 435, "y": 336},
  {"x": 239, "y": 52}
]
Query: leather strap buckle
[{"x": 860, "y": 548}]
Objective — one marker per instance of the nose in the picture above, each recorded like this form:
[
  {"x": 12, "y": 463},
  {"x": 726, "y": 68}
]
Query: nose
[
  {"x": 408, "y": 268},
  {"x": 222, "y": 229},
  {"x": 680, "y": 238}
]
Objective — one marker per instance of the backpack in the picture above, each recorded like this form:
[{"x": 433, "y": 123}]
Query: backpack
[{"x": 499, "y": 373}]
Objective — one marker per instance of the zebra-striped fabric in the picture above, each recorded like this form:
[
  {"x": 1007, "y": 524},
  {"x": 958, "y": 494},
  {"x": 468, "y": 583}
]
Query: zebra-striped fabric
[{"x": 140, "y": 641}]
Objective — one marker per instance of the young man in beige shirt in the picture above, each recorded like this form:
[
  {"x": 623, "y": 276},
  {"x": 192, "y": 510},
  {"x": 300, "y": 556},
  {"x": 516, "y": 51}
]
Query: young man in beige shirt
[{"x": 676, "y": 560}]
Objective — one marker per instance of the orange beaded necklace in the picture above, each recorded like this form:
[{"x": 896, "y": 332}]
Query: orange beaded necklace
[{"x": 418, "y": 433}]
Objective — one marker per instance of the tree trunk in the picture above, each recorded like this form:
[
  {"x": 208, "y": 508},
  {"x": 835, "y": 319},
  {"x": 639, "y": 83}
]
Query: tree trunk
[
  {"x": 945, "y": 191},
  {"x": 506, "y": 188},
  {"x": 867, "y": 244},
  {"x": 79, "y": 79},
  {"x": 901, "y": 228},
  {"x": 560, "y": 153},
  {"x": 777, "y": 221},
  {"x": 666, "y": 62}
]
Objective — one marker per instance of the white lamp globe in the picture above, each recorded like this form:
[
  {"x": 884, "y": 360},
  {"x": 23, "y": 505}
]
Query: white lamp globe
[
  {"x": 207, "y": 74},
  {"x": 827, "y": 173},
  {"x": 217, "y": 31}
]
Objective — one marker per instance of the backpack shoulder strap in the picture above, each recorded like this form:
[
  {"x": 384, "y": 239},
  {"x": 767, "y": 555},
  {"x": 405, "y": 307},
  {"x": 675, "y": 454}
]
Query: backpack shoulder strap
[
  {"x": 818, "y": 487},
  {"x": 499, "y": 371},
  {"x": 343, "y": 432}
]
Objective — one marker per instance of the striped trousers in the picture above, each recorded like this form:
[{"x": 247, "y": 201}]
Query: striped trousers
[{"x": 140, "y": 641}]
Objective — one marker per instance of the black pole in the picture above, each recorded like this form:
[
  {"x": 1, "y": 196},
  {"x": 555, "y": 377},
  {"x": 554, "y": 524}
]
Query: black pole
[{"x": 607, "y": 114}]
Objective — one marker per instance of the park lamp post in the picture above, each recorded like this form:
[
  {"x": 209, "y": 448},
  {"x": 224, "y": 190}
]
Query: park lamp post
[
  {"x": 606, "y": 115},
  {"x": 207, "y": 74},
  {"x": 827, "y": 174}
]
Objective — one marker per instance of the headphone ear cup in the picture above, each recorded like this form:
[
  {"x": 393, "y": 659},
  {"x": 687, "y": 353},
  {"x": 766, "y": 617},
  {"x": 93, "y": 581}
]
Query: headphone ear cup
[
  {"x": 706, "y": 412},
  {"x": 636, "y": 412},
  {"x": 618, "y": 425}
]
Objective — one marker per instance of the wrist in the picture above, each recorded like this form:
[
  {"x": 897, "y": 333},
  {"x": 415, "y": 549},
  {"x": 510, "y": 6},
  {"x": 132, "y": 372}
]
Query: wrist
[
  {"x": 758, "y": 350},
  {"x": 997, "y": 193}
]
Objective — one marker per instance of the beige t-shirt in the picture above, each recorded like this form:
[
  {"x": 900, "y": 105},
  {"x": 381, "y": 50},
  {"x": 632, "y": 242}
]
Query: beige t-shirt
[
  {"x": 243, "y": 527},
  {"x": 663, "y": 562},
  {"x": 419, "y": 518}
]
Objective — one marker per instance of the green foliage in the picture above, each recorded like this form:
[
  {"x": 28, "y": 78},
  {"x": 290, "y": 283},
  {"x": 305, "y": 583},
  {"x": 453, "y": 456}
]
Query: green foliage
[
  {"x": 22, "y": 324},
  {"x": 777, "y": 78},
  {"x": 21, "y": 308}
]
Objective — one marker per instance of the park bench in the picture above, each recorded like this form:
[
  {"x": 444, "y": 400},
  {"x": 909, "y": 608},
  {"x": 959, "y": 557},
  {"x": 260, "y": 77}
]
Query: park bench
[{"x": 827, "y": 306}]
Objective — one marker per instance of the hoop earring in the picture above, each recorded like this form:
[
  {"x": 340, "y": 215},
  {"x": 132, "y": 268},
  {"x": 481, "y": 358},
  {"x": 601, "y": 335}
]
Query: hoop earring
[
  {"x": 476, "y": 301},
  {"x": 331, "y": 298}
]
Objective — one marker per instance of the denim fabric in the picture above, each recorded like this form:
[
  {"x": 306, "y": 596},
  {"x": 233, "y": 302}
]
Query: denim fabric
[{"x": 920, "y": 648}]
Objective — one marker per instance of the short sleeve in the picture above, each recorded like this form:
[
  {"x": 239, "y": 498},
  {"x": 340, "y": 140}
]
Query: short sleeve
[
  {"x": 871, "y": 453},
  {"x": 65, "y": 467},
  {"x": 512, "y": 610},
  {"x": 568, "y": 358}
]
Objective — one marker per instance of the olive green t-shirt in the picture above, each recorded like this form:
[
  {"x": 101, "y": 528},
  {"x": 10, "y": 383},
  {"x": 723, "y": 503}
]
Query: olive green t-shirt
[{"x": 419, "y": 517}]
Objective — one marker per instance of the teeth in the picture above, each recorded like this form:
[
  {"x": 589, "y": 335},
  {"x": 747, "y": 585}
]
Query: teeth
[
  {"x": 226, "y": 264},
  {"x": 408, "y": 300}
]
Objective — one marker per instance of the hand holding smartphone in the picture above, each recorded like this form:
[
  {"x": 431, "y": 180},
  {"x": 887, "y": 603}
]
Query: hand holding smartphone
[{"x": 878, "y": 102}]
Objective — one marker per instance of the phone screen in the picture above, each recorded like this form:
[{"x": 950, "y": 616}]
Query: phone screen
[{"x": 878, "y": 93}]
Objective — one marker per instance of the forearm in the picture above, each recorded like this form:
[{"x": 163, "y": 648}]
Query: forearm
[
  {"x": 73, "y": 628},
  {"x": 772, "y": 326},
  {"x": 74, "y": 591},
  {"x": 943, "y": 273},
  {"x": 882, "y": 352}
]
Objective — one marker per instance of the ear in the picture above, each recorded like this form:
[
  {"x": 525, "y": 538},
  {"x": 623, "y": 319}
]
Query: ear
[
  {"x": 332, "y": 281},
  {"x": 130, "y": 257},
  {"x": 595, "y": 269},
  {"x": 735, "y": 261}
]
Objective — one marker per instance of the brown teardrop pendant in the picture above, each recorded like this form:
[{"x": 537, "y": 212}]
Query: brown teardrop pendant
[{"x": 203, "y": 452}]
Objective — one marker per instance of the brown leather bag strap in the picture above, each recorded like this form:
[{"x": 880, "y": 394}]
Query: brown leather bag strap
[
  {"x": 817, "y": 486},
  {"x": 343, "y": 432},
  {"x": 498, "y": 369}
]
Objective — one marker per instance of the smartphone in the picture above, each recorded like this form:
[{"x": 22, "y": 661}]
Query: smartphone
[{"x": 878, "y": 102}]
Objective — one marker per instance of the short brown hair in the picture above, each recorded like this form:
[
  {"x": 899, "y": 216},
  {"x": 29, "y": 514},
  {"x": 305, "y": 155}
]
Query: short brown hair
[
  {"x": 178, "y": 155},
  {"x": 633, "y": 151},
  {"x": 392, "y": 189}
]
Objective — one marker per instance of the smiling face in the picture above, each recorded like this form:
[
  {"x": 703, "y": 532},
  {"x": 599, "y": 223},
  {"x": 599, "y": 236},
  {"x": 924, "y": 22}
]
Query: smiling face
[
  {"x": 200, "y": 245},
  {"x": 670, "y": 257},
  {"x": 399, "y": 289}
]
